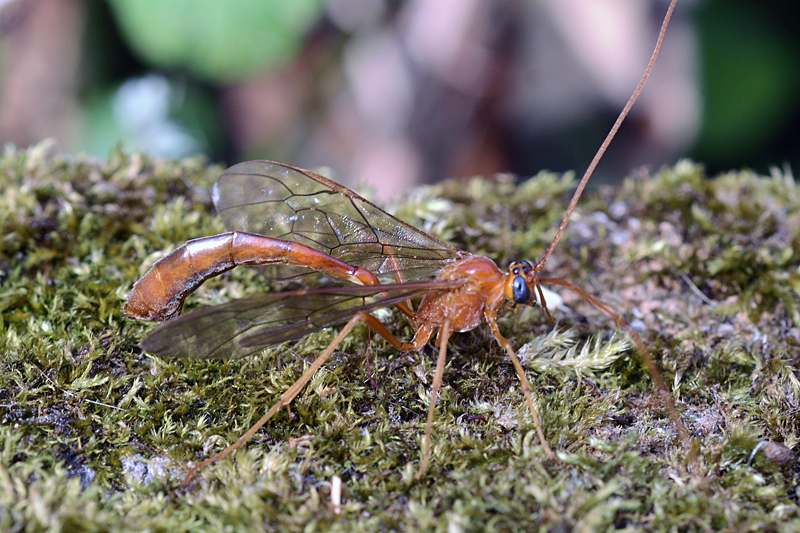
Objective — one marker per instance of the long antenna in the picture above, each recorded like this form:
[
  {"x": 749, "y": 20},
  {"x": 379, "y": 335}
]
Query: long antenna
[{"x": 609, "y": 137}]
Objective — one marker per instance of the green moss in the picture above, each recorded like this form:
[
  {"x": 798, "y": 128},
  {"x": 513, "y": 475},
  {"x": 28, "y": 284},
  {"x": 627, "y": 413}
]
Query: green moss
[{"x": 95, "y": 435}]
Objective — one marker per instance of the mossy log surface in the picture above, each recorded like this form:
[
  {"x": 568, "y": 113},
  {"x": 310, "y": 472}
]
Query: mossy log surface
[{"x": 95, "y": 434}]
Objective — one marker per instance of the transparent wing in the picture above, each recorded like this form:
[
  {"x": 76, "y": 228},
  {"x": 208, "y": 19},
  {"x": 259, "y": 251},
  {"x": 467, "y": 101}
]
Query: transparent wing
[
  {"x": 246, "y": 326},
  {"x": 289, "y": 203}
]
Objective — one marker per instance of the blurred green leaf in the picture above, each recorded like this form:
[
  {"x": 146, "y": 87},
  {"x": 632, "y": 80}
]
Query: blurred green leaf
[{"x": 218, "y": 41}]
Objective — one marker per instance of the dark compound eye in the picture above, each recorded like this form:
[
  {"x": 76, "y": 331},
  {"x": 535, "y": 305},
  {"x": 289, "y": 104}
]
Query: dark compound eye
[
  {"x": 526, "y": 266},
  {"x": 521, "y": 291}
]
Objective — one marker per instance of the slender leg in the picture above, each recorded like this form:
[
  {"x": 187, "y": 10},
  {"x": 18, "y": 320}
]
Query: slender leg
[
  {"x": 286, "y": 398},
  {"x": 444, "y": 336},
  {"x": 655, "y": 374},
  {"x": 544, "y": 305},
  {"x": 407, "y": 307},
  {"x": 526, "y": 388}
]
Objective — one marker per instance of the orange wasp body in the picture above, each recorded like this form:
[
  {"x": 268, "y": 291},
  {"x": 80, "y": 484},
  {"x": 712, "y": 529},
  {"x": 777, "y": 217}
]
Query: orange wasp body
[{"x": 297, "y": 221}]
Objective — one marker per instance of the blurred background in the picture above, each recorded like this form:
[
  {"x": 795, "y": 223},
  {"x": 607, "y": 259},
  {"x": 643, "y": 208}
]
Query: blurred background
[{"x": 393, "y": 93}]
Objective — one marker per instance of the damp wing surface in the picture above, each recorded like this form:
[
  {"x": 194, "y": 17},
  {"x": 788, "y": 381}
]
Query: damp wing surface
[{"x": 285, "y": 202}]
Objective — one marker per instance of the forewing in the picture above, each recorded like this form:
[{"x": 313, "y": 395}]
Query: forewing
[
  {"x": 289, "y": 203},
  {"x": 246, "y": 326}
]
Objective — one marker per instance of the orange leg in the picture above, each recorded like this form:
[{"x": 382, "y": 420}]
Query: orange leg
[
  {"x": 406, "y": 307},
  {"x": 649, "y": 363},
  {"x": 526, "y": 388},
  {"x": 444, "y": 336},
  {"x": 420, "y": 339}
]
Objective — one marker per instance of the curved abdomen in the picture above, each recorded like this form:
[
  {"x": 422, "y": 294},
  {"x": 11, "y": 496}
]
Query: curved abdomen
[{"x": 160, "y": 293}]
